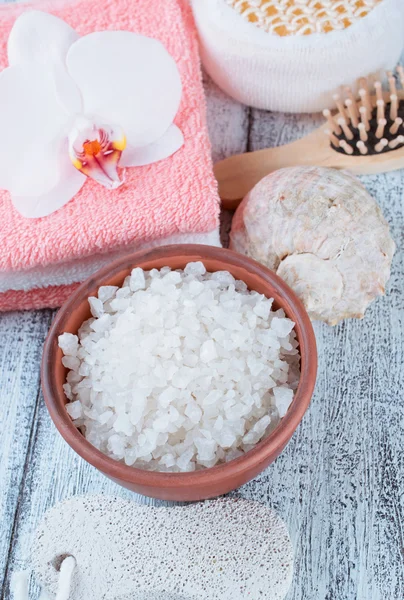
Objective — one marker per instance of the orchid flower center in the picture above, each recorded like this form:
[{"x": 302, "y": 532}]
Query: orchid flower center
[
  {"x": 92, "y": 148},
  {"x": 96, "y": 150}
]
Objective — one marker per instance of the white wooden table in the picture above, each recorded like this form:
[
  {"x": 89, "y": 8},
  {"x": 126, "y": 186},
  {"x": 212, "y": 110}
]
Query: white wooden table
[{"x": 339, "y": 485}]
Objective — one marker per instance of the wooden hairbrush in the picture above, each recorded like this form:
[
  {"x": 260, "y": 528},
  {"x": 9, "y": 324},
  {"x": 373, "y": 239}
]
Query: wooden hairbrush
[{"x": 364, "y": 135}]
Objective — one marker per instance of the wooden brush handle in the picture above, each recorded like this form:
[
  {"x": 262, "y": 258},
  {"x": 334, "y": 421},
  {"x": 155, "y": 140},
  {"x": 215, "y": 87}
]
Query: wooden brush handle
[{"x": 238, "y": 174}]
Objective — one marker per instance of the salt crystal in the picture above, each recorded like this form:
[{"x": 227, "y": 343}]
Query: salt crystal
[
  {"x": 123, "y": 425},
  {"x": 194, "y": 412},
  {"x": 67, "y": 388},
  {"x": 241, "y": 286},
  {"x": 184, "y": 460},
  {"x": 138, "y": 405},
  {"x": 71, "y": 362},
  {"x": 195, "y": 268},
  {"x": 161, "y": 423},
  {"x": 257, "y": 431},
  {"x": 206, "y": 448},
  {"x": 75, "y": 409},
  {"x": 255, "y": 366},
  {"x": 101, "y": 324},
  {"x": 168, "y": 460},
  {"x": 225, "y": 437},
  {"x": 286, "y": 345},
  {"x": 69, "y": 344},
  {"x": 119, "y": 304},
  {"x": 283, "y": 399},
  {"x": 212, "y": 397},
  {"x": 281, "y": 326},
  {"x": 106, "y": 292},
  {"x": 167, "y": 396},
  {"x": 172, "y": 277},
  {"x": 85, "y": 369},
  {"x": 137, "y": 279},
  {"x": 262, "y": 309},
  {"x": 105, "y": 417},
  {"x": 223, "y": 277},
  {"x": 123, "y": 292},
  {"x": 196, "y": 287},
  {"x": 73, "y": 376},
  {"x": 208, "y": 351},
  {"x": 174, "y": 415},
  {"x": 96, "y": 306},
  {"x": 191, "y": 360},
  {"x": 269, "y": 338},
  {"x": 116, "y": 445},
  {"x": 183, "y": 377},
  {"x": 219, "y": 423},
  {"x": 233, "y": 454}
]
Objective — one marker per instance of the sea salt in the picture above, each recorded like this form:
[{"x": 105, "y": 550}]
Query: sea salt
[
  {"x": 137, "y": 280},
  {"x": 107, "y": 292},
  {"x": 283, "y": 398},
  {"x": 75, "y": 409},
  {"x": 69, "y": 344},
  {"x": 180, "y": 370},
  {"x": 96, "y": 306}
]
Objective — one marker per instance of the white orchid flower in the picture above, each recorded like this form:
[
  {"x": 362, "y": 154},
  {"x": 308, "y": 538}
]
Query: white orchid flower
[{"x": 74, "y": 107}]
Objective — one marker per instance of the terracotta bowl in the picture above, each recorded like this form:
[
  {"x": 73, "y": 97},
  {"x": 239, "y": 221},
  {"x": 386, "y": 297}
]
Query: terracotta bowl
[{"x": 206, "y": 483}]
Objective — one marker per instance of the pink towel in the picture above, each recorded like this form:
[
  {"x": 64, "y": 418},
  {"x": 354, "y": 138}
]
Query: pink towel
[{"x": 173, "y": 200}]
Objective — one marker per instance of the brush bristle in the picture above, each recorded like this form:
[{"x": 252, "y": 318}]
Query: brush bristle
[{"x": 371, "y": 122}]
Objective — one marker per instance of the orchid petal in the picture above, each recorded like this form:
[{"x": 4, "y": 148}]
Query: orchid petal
[
  {"x": 33, "y": 126},
  {"x": 127, "y": 79},
  {"x": 170, "y": 142},
  {"x": 41, "y": 38},
  {"x": 68, "y": 185},
  {"x": 67, "y": 92}
]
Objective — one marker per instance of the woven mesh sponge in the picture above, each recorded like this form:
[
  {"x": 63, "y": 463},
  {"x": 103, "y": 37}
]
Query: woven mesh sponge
[
  {"x": 217, "y": 550},
  {"x": 293, "y": 55},
  {"x": 302, "y": 17}
]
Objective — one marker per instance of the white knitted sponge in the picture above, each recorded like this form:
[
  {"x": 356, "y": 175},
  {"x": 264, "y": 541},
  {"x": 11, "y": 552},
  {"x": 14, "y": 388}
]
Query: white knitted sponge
[
  {"x": 224, "y": 549},
  {"x": 295, "y": 73}
]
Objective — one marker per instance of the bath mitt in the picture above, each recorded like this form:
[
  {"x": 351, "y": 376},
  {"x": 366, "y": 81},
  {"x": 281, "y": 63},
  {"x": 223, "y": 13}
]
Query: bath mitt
[
  {"x": 252, "y": 59},
  {"x": 173, "y": 200}
]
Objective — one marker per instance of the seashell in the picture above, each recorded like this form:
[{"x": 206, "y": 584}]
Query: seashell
[{"x": 323, "y": 233}]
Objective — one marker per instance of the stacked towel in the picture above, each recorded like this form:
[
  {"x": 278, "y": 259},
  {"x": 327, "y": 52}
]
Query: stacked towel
[{"x": 171, "y": 201}]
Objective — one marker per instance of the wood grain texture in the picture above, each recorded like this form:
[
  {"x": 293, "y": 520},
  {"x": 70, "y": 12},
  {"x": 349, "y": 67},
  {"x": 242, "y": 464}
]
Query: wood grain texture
[
  {"x": 339, "y": 484},
  {"x": 22, "y": 336},
  {"x": 228, "y": 122}
]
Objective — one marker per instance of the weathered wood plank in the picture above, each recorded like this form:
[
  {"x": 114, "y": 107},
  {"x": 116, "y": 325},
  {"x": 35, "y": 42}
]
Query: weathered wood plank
[
  {"x": 228, "y": 122},
  {"x": 21, "y": 340},
  {"x": 269, "y": 130},
  {"x": 339, "y": 484}
]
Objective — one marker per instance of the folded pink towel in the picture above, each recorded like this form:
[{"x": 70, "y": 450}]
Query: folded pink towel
[{"x": 173, "y": 200}]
